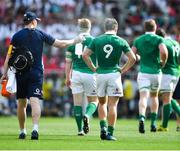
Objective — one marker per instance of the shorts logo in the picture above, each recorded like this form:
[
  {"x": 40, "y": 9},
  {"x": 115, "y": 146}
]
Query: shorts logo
[
  {"x": 94, "y": 92},
  {"x": 37, "y": 92},
  {"x": 117, "y": 91}
]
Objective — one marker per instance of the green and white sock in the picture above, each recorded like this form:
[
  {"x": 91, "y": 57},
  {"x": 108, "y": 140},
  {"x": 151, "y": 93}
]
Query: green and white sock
[
  {"x": 90, "y": 109},
  {"x": 78, "y": 117},
  {"x": 141, "y": 117}
]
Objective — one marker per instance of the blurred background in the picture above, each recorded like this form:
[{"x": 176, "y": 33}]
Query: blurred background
[{"x": 59, "y": 19}]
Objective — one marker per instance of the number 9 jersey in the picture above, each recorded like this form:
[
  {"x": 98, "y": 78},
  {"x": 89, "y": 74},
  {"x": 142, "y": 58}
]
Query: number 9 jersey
[{"x": 108, "y": 49}]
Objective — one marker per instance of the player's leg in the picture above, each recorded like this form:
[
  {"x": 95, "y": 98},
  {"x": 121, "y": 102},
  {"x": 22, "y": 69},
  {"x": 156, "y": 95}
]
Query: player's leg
[
  {"x": 89, "y": 82},
  {"x": 154, "y": 110},
  {"x": 36, "y": 114},
  {"x": 22, "y": 90},
  {"x": 78, "y": 113},
  {"x": 114, "y": 91},
  {"x": 144, "y": 88},
  {"x": 175, "y": 104},
  {"x": 112, "y": 115},
  {"x": 178, "y": 123},
  {"x": 155, "y": 81},
  {"x": 21, "y": 113},
  {"x": 78, "y": 95},
  {"x": 102, "y": 113},
  {"x": 167, "y": 89},
  {"x": 90, "y": 109},
  {"x": 166, "y": 97},
  {"x": 143, "y": 97},
  {"x": 102, "y": 108}
]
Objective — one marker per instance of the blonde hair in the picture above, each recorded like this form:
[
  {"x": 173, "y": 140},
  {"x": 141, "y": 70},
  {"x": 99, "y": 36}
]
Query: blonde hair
[
  {"x": 150, "y": 25},
  {"x": 84, "y": 24}
]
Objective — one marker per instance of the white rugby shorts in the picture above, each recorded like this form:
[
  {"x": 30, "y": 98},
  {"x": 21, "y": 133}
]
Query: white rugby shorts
[
  {"x": 168, "y": 83},
  {"x": 83, "y": 82},
  {"x": 109, "y": 84},
  {"x": 149, "y": 82}
]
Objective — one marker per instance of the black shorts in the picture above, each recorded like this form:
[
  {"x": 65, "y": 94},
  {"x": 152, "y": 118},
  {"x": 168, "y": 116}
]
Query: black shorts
[
  {"x": 29, "y": 84},
  {"x": 176, "y": 94}
]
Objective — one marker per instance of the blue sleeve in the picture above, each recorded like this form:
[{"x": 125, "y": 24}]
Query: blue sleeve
[
  {"x": 47, "y": 38},
  {"x": 13, "y": 40}
]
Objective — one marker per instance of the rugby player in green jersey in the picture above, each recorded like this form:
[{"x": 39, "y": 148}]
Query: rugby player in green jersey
[
  {"x": 153, "y": 55},
  {"x": 81, "y": 79},
  {"x": 108, "y": 48},
  {"x": 169, "y": 79}
]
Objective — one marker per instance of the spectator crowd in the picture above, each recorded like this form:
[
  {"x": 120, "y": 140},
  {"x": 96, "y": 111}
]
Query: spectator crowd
[{"x": 59, "y": 18}]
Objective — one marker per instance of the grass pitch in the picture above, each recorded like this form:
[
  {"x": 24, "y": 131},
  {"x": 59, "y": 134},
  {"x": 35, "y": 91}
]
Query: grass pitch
[{"x": 61, "y": 134}]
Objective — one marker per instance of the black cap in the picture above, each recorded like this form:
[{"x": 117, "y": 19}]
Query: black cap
[{"x": 29, "y": 16}]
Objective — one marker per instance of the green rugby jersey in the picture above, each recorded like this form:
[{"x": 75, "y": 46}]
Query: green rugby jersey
[
  {"x": 147, "y": 47},
  {"x": 108, "y": 49},
  {"x": 171, "y": 66},
  {"x": 76, "y": 57}
]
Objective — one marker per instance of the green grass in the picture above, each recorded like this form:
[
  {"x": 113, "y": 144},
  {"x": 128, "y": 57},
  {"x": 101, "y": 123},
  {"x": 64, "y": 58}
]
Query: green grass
[{"x": 60, "y": 134}]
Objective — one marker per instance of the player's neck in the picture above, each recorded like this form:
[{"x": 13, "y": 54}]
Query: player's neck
[
  {"x": 111, "y": 32},
  {"x": 30, "y": 26},
  {"x": 150, "y": 32}
]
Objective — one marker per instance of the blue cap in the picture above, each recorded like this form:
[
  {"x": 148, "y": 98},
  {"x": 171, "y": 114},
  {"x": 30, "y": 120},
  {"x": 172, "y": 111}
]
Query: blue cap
[{"x": 29, "y": 16}]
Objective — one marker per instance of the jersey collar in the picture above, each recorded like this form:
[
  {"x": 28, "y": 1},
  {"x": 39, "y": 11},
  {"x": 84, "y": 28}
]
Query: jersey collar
[
  {"x": 110, "y": 32},
  {"x": 150, "y": 32}
]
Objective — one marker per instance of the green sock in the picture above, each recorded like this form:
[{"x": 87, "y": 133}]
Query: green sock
[
  {"x": 141, "y": 117},
  {"x": 166, "y": 114},
  {"x": 153, "y": 118},
  {"x": 103, "y": 124},
  {"x": 78, "y": 116},
  {"x": 110, "y": 130},
  {"x": 91, "y": 108},
  {"x": 175, "y": 106}
]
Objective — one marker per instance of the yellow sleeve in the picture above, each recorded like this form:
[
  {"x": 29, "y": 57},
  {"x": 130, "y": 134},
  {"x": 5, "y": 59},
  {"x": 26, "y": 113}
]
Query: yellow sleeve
[{"x": 10, "y": 49}]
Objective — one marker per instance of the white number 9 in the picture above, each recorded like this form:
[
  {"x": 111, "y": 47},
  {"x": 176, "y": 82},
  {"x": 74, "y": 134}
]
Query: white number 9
[{"x": 108, "y": 49}]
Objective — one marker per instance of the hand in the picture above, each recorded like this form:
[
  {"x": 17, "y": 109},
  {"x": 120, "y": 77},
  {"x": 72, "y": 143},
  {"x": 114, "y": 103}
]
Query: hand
[
  {"x": 68, "y": 82},
  {"x": 138, "y": 57},
  {"x": 4, "y": 76},
  {"x": 79, "y": 39},
  {"x": 94, "y": 69},
  {"x": 162, "y": 64}
]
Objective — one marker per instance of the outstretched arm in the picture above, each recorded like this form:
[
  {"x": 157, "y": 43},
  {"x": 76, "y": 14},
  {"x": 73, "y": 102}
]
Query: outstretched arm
[{"x": 65, "y": 43}]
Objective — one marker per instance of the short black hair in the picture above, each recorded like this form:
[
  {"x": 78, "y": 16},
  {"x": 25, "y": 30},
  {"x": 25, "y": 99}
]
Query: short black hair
[{"x": 160, "y": 32}]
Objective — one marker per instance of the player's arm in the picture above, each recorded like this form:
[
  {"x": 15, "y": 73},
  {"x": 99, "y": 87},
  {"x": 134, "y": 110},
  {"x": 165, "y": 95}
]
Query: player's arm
[
  {"x": 163, "y": 54},
  {"x": 5, "y": 67},
  {"x": 130, "y": 62},
  {"x": 65, "y": 43},
  {"x": 134, "y": 49},
  {"x": 68, "y": 68},
  {"x": 86, "y": 57}
]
